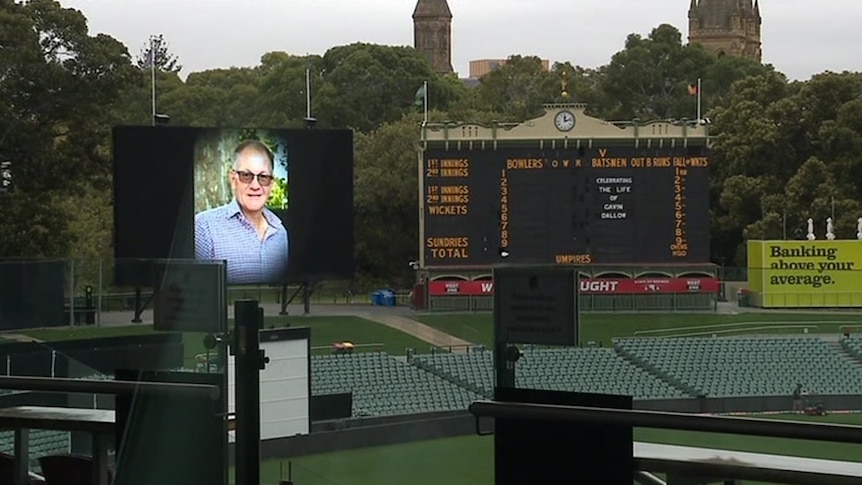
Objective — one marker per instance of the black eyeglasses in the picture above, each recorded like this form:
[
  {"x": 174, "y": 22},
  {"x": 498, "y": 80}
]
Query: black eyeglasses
[{"x": 246, "y": 177}]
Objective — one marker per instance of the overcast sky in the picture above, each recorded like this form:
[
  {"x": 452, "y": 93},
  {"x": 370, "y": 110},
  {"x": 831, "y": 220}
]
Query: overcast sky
[{"x": 800, "y": 37}]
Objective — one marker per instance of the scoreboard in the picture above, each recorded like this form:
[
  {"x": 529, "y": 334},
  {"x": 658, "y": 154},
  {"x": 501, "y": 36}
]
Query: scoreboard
[{"x": 598, "y": 205}]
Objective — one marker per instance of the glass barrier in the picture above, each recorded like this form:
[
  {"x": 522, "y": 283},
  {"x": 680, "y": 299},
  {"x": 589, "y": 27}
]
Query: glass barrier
[{"x": 372, "y": 390}]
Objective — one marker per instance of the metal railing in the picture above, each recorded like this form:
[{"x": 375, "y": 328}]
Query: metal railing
[
  {"x": 773, "y": 469},
  {"x": 92, "y": 386},
  {"x": 668, "y": 420}
]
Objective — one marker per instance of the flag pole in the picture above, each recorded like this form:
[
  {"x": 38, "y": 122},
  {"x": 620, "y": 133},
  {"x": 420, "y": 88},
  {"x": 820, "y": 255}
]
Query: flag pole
[
  {"x": 425, "y": 101},
  {"x": 307, "y": 86},
  {"x": 699, "y": 113},
  {"x": 152, "y": 57}
]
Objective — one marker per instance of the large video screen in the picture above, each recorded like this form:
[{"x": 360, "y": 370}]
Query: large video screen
[{"x": 275, "y": 204}]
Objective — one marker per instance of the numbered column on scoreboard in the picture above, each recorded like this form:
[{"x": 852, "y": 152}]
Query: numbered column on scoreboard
[{"x": 548, "y": 207}]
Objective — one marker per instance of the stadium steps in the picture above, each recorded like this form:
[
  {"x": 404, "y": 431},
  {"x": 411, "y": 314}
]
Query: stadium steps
[
  {"x": 752, "y": 366},
  {"x": 464, "y": 383},
  {"x": 654, "y": 370},
  {"x": 385, "y": 386},
  {"x": 577, "y": 369},
  {"x": 850, "y": 347},
  {"x": 424, "y": 366}
]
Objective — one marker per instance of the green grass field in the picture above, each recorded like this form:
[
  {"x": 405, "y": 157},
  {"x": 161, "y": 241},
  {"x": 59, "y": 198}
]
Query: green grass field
[
  {"x": 602, "y": 327},
  {"x": 324, "y": 332},
  {"x": 469, "y": 460}
]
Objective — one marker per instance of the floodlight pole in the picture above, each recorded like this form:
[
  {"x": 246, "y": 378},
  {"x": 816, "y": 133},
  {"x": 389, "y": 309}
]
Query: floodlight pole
[{"x": 152, "y": 60}]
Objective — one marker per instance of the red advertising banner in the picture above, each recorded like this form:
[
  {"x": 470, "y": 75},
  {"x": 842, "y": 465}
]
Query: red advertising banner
[{"x": 600, "y": 286}]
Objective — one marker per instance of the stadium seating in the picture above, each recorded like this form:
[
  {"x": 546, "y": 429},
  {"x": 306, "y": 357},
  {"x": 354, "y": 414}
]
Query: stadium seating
[
  {"x": 42, "y": 442},
  {"x": 383, "y": 385},
  {"x": 563, "y": 369},
  {"x": 853, "y": 346},
  {"x": 746, "y": 366},
  {"x": 644, "y": 368}
]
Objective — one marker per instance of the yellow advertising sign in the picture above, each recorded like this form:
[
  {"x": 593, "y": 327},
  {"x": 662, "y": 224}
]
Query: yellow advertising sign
[{"x": 806, "y": 273}]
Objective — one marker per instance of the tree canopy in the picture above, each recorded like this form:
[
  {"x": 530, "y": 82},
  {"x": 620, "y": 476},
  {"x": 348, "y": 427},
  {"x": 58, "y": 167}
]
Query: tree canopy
[
  {"x": 783, "y": 151},
  {"x": 58, "y": 102}
]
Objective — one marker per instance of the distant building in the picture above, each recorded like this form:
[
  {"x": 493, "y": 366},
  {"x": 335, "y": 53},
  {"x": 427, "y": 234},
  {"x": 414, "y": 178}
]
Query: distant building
[
  {"x": 480, "y": 67},
  {"x": 726, "y": 27},
  {"x": 432, "y": 33}
]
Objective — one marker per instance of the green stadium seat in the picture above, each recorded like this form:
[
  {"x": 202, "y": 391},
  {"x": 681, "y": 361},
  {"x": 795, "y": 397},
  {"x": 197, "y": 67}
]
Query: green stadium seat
[
  {"x": 571, "y": 369},
  {"x": 737, "y": 366},
  {"x": 383, "y": 385}
]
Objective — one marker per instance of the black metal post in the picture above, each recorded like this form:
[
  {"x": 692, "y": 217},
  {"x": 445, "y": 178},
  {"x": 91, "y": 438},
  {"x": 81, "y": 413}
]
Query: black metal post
[
  {"x": 248, "y": 320},
  {"x": 504, "y": 366},
  {"x": 306, "y": 297},
  {"x": 284, "y": 300},
  {"x": 138, "y": 307}
]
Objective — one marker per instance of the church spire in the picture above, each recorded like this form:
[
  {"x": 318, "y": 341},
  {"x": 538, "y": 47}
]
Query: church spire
[
  {"x": 432, "y": 8},
  {"x": 432, "y": 33},
  {"x": 726, "y": 26},
  {"x": 692, "y": 10}
]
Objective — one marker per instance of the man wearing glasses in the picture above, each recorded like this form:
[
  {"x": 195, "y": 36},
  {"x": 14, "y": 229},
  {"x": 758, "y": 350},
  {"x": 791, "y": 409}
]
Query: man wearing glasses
[{"x": 245, "y": 233}]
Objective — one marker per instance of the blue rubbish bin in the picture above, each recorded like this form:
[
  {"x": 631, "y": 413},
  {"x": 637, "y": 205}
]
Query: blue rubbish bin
[
  {"x": 377, "y": 298},
  {"x": 388, "y": 298}
]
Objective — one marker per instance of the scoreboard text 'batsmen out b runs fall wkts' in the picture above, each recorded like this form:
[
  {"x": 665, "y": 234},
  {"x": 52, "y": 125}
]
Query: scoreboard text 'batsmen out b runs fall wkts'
[{"x": 566, "y": 206}]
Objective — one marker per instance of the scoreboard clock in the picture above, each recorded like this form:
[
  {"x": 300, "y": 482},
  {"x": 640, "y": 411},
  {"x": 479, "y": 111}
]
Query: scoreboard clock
[{"x": 564, "y": 121}]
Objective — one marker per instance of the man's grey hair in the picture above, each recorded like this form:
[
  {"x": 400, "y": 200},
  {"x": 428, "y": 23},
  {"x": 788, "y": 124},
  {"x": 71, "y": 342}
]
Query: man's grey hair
[{"x": 254, "y": 146}]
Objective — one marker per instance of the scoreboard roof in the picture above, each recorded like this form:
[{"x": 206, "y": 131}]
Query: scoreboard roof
[{"x": 568, "y": 125}]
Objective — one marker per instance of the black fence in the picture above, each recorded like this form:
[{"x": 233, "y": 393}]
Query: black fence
[
  {"x": 354, "y": 433},
  {"x": 86, "y": 357}
]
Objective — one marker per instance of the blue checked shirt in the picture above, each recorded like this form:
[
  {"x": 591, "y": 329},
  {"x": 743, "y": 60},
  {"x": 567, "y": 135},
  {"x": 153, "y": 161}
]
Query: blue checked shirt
[{"x": 223, "y": 233}]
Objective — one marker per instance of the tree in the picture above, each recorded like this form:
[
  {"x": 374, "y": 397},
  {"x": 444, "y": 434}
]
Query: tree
[
  {"x": 385, "y": 202},
  {"x": 282, "y": 100},
  {"x": 649, "y": 78},
  {"x": 58, "y": 97},
  {"x": 517, "y": 89},
  {"x": 799, "y": 144},
  {"x": 217, "y": 97},
  {"x": 366, "y": 85},
  {"x": 841, "y": 140},
  {"x": 156, "y": 52}
]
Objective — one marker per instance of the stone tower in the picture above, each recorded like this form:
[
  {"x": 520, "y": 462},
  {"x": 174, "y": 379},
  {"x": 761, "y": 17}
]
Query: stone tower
[
  {"x": 726, "y": 27},
  {"x": 432, "y": 33}
]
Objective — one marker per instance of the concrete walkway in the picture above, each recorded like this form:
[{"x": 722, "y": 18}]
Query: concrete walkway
[
  {"x": 417, "y": 329},
  {"x": 19, "y": 337},
  {"x": 398, "y": 318}
]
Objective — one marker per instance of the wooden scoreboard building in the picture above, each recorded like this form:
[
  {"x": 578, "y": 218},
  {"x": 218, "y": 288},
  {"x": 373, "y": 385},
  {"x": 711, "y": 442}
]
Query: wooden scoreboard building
[{"x": 628, "y": 202}]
